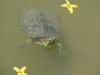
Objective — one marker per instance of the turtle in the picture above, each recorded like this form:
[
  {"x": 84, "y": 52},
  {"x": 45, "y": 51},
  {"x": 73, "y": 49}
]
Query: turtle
[{"x": 41, "y": 28}]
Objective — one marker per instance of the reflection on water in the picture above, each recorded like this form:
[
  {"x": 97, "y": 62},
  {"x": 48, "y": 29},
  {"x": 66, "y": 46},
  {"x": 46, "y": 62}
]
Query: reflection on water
[{"x": 81, "y": 34}]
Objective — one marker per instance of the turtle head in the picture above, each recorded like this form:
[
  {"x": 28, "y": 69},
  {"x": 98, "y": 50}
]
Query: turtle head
[{"x": 48, "y": 41}]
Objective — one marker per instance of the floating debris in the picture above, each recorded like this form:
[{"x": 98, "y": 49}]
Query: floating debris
[
  {"x": 69, "y": 6},
  {"x": 20, "y": 71}
]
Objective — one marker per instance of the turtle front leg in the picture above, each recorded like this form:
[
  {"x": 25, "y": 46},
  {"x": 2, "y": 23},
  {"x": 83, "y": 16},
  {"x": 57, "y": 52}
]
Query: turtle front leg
[
  {"x": 25, "y": 43},
  {"x": 59, "y": 44},
  {"x": 39, "y": 43},
  {"x": 61, "y": 49}
]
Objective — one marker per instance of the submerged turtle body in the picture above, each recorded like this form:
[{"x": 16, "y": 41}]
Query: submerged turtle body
[{"x": 40, "y": 27}]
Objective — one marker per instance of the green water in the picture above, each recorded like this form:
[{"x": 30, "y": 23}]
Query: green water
[{"x": 81, "y": 34}]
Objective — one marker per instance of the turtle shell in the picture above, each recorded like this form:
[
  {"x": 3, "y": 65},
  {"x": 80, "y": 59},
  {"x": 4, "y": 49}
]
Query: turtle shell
[{"x": 36, "y": 24}]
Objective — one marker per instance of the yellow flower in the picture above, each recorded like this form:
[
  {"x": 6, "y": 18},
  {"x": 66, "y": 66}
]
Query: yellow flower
[
  {"x": 69, "y": 6},
  {"x": 20, "y": 71}
]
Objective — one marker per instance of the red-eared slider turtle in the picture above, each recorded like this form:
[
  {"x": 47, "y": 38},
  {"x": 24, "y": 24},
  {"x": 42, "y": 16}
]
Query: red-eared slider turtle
[{"x": 41, "y": 28}]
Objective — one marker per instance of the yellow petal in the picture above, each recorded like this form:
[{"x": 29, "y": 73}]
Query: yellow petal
[
  {"x": 22, "y": 74},
  {"x": 70, "y": 10},
  {"x": 23, "y": 68},
  {"x": 16, "y": 69},
  {"x": 67, "y": 2},
  {"x": 75, "y": 6},
  {"x": 19, "y": 74},
  {"x": 63, "y": 5},
  {"x": 25, "y": 74}
]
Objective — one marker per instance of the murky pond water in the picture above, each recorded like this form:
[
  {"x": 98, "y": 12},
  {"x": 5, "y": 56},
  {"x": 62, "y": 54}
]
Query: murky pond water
[{"x": 81, "y": 32}]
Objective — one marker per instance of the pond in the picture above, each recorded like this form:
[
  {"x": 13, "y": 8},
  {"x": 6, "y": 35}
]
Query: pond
[{"x": 81, "y": 36}]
